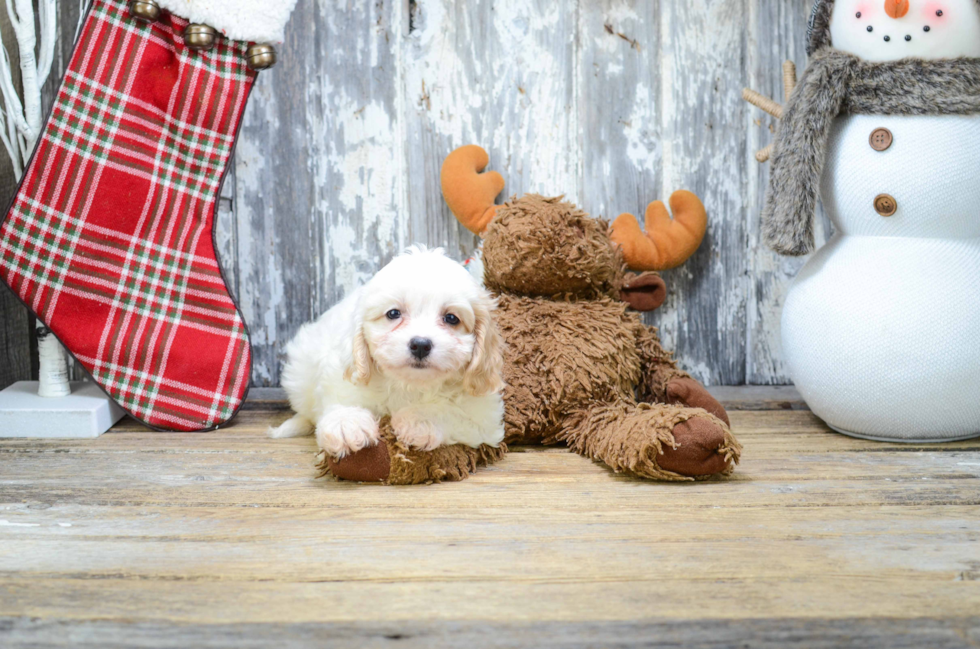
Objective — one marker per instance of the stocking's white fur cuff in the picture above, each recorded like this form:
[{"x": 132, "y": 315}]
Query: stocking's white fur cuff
[{"x": 261, "y": 21}]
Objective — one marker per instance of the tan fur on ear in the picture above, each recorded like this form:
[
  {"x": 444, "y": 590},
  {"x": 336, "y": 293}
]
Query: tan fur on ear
[
  {"x": 484, "y": 375},
  {"x": 359, "y": 371}
]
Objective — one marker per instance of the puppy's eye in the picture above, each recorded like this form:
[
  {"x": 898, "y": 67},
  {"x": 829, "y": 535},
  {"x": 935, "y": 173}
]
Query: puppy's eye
[
  {"x": 394, "y": 314},
  {"x": 450, "y": 319}
]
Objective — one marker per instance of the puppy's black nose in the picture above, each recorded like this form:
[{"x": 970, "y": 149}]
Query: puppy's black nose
[{"x": 420, "y": 347}]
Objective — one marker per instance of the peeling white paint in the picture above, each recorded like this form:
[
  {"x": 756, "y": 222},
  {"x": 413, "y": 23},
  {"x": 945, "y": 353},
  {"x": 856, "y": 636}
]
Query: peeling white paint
[
  {"x": 533, "y": 91},
  {"x": 774, "y": 35},
  {"x": 379, "y": 106},
  {"x": 250, "y": 162},
  {"x": 644, "y": 147}
]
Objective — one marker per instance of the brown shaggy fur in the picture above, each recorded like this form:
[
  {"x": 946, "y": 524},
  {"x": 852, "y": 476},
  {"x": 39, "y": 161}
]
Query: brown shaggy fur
[
  {"x": 543, "y": 247},
  {"x": 576, "y": 359},
  {"x": 580, "y": 368},
  {"x": 407, "y": 466}
]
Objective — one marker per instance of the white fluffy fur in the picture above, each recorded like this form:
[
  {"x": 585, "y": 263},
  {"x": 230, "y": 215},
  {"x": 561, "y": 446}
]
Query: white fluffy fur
[
  {"x": 353, "y": 365},
  {"x": 261, "y": 21}
]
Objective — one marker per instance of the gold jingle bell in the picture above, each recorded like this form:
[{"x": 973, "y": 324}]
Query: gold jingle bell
[
  {"x": 144, "y": 10},
  {"x": 261, "y": 56},
  {"x": 199, "y": 37}
]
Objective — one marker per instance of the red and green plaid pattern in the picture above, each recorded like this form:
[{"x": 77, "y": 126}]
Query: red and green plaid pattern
[{"x": 109, "y": 239}]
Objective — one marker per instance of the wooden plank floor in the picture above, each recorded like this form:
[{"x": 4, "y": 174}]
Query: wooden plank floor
[{"x": 226, "y": 539}]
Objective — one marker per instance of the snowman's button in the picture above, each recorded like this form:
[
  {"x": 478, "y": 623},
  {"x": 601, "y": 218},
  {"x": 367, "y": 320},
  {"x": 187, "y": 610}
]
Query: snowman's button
[
  {"x": 885, "y": 205},
  {"x": 881, "y": 139}
]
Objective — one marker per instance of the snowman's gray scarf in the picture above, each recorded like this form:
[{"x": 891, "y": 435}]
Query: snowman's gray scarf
[{"x": 835, "y": 83}]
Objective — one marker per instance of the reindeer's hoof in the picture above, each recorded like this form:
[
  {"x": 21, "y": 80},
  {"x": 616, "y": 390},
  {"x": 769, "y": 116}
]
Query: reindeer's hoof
[
  {"x": 392, "y": 463},
  {"x": 702, "y": 449},
  {"x": 371, "y": 464},
  {"x": 690, "y": 393}
]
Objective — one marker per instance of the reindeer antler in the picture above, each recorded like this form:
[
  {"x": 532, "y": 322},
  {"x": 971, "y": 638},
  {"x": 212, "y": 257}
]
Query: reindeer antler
[
  {"x": 770, "y": 106},
  {"x": 668, "y": 243},
  {"x": 468, "y": 192}
]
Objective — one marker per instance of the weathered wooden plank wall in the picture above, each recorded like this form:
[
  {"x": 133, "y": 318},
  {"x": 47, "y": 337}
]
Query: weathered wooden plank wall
[
  {"x": 776, "y": 34},
  {"x": 613, "y": 103}
]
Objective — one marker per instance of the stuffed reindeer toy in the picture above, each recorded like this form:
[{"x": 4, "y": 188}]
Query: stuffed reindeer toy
[{"x": 579, "y": 365}]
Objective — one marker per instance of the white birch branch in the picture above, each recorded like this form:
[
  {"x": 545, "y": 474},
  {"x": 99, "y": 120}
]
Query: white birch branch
[
  {"x": 47, "y": 17},
  {"x": 53, "y": 365},
  {"x": 83, "y": 7},
  {"x": 13, "y": 111},
  {"x": 21, "y": 121},
  {"x": 24, "y": 29}
]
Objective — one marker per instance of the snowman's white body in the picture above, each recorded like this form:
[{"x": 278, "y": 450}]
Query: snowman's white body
[{"x": 881, "y": 328}]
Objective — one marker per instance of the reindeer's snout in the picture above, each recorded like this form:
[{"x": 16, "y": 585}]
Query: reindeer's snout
[{"x": 896, "y": 8}]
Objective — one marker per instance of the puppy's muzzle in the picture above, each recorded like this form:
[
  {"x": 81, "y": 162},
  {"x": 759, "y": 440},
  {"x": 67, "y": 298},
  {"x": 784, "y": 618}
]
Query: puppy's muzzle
[{"x": 420, "y": 347}]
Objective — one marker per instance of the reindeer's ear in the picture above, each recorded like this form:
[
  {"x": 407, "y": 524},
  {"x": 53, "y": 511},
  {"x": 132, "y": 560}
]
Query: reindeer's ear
[
  {"x": 644, "y": 291},
  {"x": 468, "y": 192}
]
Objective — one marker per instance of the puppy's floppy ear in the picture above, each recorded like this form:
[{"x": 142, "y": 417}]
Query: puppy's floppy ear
[
  {"x": 484, "y": 375},
  {"x": 359, "y": 370}
]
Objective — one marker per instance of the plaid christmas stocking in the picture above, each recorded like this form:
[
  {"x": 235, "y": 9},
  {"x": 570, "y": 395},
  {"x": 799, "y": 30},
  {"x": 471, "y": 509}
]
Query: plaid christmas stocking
[{"x": 109, "y": 238}]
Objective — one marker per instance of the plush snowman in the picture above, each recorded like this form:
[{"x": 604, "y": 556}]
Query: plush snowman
[{"x": 881, "y": 328}]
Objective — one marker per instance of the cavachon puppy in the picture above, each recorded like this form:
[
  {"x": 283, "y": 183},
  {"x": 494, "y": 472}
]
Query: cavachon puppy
[{"x": 416, "y": 344}]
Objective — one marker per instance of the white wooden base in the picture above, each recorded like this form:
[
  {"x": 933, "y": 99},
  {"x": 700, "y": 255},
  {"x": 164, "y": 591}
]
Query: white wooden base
[{"x": 86, "y": 413}]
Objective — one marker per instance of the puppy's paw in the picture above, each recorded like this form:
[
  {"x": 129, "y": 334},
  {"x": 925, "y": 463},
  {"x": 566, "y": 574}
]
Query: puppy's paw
[
  {"x": 343, "y": 431},
  {"x": 413, "y": 430}
]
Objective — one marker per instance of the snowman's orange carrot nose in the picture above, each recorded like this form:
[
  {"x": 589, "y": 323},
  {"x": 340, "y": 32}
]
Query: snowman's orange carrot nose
[{"x": 896, "y": 8}]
